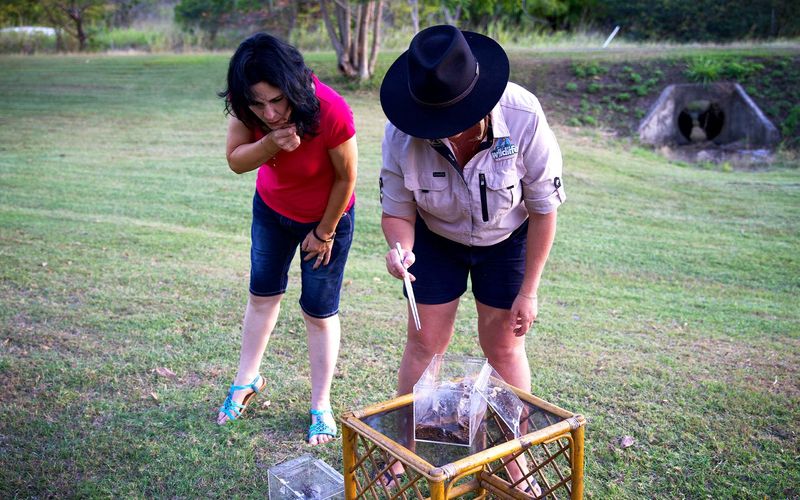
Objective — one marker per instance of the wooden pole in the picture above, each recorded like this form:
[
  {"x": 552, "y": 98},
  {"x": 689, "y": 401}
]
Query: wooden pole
[
  {"x": 577, "y": 462},
  {"x": 349, "y": 460}
]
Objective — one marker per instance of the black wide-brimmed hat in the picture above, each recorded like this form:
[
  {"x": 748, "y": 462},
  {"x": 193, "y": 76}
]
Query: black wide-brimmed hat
[{"x": 444, "y": 83}]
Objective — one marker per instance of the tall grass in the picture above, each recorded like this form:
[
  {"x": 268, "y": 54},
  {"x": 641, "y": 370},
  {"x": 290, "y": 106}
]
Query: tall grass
[{"x": 706, "y": 69}]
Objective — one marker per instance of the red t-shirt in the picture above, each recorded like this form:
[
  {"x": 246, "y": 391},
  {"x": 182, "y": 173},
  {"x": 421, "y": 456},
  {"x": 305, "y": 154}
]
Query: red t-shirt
[{"x": 297, "y": 184}]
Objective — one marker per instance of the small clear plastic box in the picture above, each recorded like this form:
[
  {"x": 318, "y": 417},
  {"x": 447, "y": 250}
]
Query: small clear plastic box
[
  {"x": 451, "y": 397},
  {"x": 447, "y": 408},
  {"x": 305, "y": 477}
]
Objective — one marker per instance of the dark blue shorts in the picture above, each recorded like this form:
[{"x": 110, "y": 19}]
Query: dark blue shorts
[
  {"x": 274, "y": 241},
  {"x": 442, "y": 267}
]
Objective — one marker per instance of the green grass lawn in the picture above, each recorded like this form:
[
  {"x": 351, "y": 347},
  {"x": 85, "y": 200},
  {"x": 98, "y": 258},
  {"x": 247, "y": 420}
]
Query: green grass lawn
[{"x": 669, "y": 308}]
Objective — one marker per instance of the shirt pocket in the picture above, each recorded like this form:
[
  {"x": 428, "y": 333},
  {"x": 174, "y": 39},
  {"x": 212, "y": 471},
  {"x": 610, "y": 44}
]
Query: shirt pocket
[
  {"x": 500, "y": 190},
  {"x": 433, "y": 194}
]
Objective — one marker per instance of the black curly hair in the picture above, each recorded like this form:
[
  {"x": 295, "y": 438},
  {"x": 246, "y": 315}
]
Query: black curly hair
[{"x": 265, "y": 58}]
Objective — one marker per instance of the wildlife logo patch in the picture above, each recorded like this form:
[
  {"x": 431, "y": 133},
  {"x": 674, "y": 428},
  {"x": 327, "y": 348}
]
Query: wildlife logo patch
[{"x": 504, "y": 148}]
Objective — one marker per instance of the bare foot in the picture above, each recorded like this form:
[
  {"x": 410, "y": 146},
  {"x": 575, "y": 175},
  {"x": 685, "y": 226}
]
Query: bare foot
[{"x": 320, "y": 439}]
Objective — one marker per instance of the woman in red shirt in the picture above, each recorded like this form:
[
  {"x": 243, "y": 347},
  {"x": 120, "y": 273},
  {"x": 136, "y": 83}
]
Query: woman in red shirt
[{"x": 299, "y": 134}]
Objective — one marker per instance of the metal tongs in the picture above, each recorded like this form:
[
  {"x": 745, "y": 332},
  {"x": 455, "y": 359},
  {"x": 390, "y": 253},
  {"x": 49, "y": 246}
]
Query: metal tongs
[{"x": 410, "y": 291}]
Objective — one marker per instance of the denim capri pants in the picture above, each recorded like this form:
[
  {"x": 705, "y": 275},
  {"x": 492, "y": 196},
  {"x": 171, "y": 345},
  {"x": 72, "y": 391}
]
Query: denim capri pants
[{"x": 274, "y": 241}]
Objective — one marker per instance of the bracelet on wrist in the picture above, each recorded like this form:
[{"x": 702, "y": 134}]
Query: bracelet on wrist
[
  {"x": 531, "y": 297},
  {"x": 314, "y": 232}
]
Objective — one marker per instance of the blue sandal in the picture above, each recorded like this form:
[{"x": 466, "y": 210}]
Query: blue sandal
[
  {"x": 321, "y": 426},
  {"x": 234, "y": 410}
]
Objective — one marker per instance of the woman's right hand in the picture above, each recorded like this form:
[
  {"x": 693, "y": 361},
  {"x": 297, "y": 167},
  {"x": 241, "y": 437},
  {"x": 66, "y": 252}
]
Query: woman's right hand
[
  {"x": 397, "y": 267},
  {"x": 284, "y": 138}
]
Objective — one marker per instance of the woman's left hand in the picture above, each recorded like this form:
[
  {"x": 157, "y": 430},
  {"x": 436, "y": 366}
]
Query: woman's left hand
[{"x": 316, "y": 249}]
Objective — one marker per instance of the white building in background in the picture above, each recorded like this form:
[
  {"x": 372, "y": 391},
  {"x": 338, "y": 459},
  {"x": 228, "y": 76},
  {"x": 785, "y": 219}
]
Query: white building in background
[{"x": 30, "y": 30}]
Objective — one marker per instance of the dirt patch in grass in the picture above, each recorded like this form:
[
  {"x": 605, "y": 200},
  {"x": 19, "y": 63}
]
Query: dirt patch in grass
[
  {"x": 617, "y": 94},
  {"x": 26, "y": 336},
  {"x": 776, "y": 371}
]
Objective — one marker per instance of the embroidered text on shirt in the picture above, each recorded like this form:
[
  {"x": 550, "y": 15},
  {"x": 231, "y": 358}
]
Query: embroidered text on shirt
[{"x": 504, "y": 148}]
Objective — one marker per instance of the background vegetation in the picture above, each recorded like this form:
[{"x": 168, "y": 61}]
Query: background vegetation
[
  {"x": 170, "y": 25},
  {"x": 668, "y": 308},
  {"x": 613, "y": 90},
  {"x": 702, "y": 20}
]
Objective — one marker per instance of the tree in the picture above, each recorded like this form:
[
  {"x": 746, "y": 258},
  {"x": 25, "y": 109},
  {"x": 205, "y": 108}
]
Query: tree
[
  {"x": 73, "y": 16},
  {"x": 20, "y": 13},
  {"x": 122, "y": 12},
  {"x": 414, "y": 14},
  {"x": 703, "y": 20},
  {"x": 66, "y": 16},
  {"x": 479, "y": 14},
  {"x": 350, "y": 35},
  {"x": 452, "y": 11},
  {"x": 277, "y": 17},
  {"x": 207, "y": 15}
]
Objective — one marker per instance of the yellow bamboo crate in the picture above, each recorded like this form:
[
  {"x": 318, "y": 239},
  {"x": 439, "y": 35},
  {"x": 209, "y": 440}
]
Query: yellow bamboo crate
[{"x": 379, "y": 440}]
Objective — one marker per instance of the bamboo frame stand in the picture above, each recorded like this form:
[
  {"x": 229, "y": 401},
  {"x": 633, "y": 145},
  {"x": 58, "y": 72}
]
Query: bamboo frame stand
[{"x": 551, "y": 449}]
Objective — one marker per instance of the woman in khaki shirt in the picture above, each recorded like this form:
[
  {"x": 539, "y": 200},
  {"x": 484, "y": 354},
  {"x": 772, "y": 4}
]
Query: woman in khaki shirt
[{"x": 470, "y": 184}]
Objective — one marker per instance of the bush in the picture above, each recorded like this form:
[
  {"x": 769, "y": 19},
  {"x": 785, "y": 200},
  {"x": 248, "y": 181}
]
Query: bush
[
  {"x": 710, "y": 69},
  {"x": 704, "y": 69},
  {"x": 702, "y": 20},
  {"x": 588, "y": 70},
  {"x": 791, "y": 126},
  {"x": 739, "y": 70},
  {"x": 594, "y": 87},
  {"x": 26, "y": 43},
  {"x": 128, "y": 39}
]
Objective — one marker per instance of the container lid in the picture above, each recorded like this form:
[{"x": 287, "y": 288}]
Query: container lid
[
  {"x": 307, "y": 477},
  {"x": 502, "y": 400}
]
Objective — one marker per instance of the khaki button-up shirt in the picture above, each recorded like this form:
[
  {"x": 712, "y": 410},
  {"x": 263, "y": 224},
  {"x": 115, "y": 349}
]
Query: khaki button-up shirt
[{"x": 483, "y": 204}]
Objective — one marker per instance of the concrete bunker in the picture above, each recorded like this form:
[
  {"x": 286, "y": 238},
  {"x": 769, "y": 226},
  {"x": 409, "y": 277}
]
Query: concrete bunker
[{"x": 716, "y": 122}]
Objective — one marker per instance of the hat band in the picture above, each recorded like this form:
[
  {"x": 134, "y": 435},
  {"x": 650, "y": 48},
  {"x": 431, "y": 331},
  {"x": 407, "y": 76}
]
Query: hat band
[{"x": 452, "y": 101}]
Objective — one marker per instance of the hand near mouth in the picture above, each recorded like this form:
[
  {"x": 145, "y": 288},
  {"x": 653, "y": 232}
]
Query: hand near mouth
[{"x": 285, "y": 138}]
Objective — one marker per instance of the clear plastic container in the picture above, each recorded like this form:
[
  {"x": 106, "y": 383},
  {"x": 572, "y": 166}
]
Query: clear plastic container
[
  {"x": 451, "y": 397},
  {"x": 504, "y": 402},
  {"x": 305, "y": 477}
]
